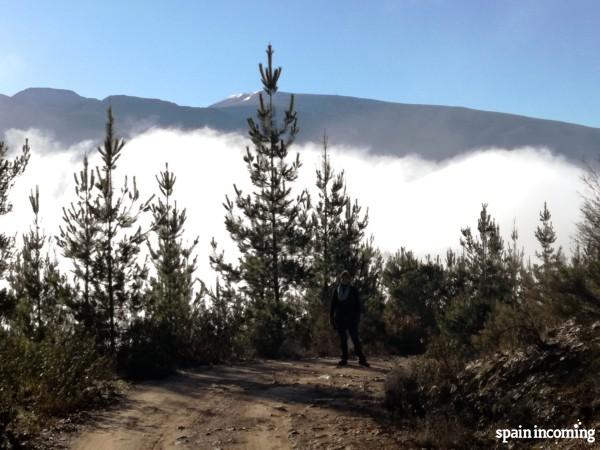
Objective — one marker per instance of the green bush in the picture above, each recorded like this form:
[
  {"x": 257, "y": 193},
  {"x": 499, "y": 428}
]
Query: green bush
[
  {"x": 272, "y": 325},
  {"x": 220, "y": 323},
  {"x": 508, "y": 327},
  {"x": 9, "y": 388},
  {"x": 68, "y": 373},
  {"x": 464, "y": 317},
  {"x": 55, "y": 376},
  {"x": 150, "y": 350},
  {"x": 406, "y": 334},
  {"x": 402, "y": 391}
]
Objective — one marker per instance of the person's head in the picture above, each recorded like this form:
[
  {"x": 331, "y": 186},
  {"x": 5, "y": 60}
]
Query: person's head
[{"x": 345, "y": 278}]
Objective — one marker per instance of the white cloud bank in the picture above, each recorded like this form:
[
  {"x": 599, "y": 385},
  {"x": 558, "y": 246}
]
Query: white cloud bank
[{"x": 414, "y": 203}]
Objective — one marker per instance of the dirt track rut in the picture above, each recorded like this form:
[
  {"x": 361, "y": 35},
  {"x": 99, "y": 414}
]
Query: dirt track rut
[{"x": 307, "y": 404}]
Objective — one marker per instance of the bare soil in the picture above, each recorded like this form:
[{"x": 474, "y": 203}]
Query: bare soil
[{"x": 265, "y": 404}]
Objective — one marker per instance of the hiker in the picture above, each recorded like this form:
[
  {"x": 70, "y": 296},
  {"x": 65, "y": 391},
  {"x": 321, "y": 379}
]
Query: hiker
[{"x": 344, "y": 317}]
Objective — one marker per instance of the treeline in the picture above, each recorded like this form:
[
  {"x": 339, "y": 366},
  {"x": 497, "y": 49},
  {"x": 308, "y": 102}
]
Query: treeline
[{"x": 133, "y": 305}]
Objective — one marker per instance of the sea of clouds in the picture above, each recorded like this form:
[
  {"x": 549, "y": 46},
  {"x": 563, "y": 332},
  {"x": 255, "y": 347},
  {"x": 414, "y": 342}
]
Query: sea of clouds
[{"x": 413, "y": 203}]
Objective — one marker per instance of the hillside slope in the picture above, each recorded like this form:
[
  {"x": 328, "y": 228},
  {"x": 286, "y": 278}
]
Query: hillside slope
[{"x": 434, "y": 132}]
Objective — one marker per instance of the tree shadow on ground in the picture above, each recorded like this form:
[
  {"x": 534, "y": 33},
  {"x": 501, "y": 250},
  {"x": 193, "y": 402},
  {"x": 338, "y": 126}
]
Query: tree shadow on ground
[{"x": 318, "y": 385}]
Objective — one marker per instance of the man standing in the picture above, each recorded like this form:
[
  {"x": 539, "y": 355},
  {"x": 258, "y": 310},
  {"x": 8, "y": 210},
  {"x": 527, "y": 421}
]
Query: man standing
[{"x": 344, "y": 317}]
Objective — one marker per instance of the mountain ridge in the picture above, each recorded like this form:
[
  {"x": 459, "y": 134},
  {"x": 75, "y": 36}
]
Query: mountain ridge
[{"x": 389, "y": 128}]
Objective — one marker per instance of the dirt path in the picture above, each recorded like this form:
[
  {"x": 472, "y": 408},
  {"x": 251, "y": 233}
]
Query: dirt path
[{"x": 309, "y": 404}]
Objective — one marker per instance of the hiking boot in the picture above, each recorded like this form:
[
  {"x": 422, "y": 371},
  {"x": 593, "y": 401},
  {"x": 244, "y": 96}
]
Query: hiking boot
[
  {"x": 363, "y": 362},
  {"x": 342, "y": 362}
]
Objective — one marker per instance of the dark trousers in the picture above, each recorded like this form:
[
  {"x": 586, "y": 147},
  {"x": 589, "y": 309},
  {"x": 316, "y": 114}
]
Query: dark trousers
[{"x": 350, "y": 328}]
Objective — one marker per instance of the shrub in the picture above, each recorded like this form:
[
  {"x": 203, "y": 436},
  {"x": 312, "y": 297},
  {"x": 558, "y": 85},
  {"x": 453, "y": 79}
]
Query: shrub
[
  {"x": 271, "y": 325},
  {"x": 464, "y": 317},
  {"x": 55, "y": 376},
  {"x": 68, "y": 373},
  {"x": 508, "y": 327},
  {"x": 9, "y": 388},
  {"x": 402, "y": 391},
  {"x": 149, "y": 350},
  {"x": 406, "y": 335}
]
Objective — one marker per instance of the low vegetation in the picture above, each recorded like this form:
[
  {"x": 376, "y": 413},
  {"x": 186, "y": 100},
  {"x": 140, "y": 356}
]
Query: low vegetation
[{"x": 515, "y": 345}]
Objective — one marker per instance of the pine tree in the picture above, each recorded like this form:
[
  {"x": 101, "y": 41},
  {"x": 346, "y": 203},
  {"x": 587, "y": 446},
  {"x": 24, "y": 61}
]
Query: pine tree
[
  {"x": 326, "y": 223},
  {"x": 368, "y": 270},
  {"x": 351, "y": 251},
  {"x": 515, "y": 266},
  {"x": 414, "y": 287},
  {"x": 270, "y": 230},
  {"x": 588, "y": 228},
  {"x": 485, "y": 258},
  {"x": 488, "y": 280},
  {"x": 222, "y": 321},
  {"x": 163, "y": 336},
  {"x": 546, "y": 236},
  {"x": 584, "y": 278},
  {"x": 78, "y": 240},
  {"x": 26, "y": 278},
  {"x": 415, "y": 295},
  {"x": 9, "y": 170},
  {"x": 354, "y": 252},
  {"x": 338, "y": 231},
  {"x": 38, "y": 286},
  {"x": 550, "y": 258},
  {"x": 171, "y": 289},
  {"x": 117, "y": 276},
  {"x": 456, "y": 277}
]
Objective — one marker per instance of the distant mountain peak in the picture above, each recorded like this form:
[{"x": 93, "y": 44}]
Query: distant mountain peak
[
  {"x": 47, "y": 96},
  {"x": 121, "y": 98},
  {"x": 236, "y": 100}
]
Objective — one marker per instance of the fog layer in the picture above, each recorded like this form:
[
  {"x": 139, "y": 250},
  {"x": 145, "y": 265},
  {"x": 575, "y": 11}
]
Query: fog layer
[{"x": 414, "y": 203}]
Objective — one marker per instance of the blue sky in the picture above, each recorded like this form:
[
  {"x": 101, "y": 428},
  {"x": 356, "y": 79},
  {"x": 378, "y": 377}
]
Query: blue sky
[{"x": 539, "y": 58}]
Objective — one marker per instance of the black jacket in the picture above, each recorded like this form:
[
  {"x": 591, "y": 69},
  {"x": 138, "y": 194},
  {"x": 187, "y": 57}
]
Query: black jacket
[{"x": 346, "y": 311}]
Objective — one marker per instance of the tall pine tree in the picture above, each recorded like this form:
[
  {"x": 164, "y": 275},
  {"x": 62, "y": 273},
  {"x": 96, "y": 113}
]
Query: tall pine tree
[
  {"x": 487, "y": 279},
  {"x": 171, "y": 289},
  {"x": 484, "y": 255},
  {"x": 550, "y": 258},
  {"x": 338, "y": 243},
  {"x": 327, "y": 219},
  {"x": 77, "y": 239},
  {"x": 269, "y": 224},
  {"x": 117, "y": 275},
  {"x": 326, "y": 223},
  {"x": 588, "y": 228},
  {"x": 546, "y": 237},
  {"x": 9, "y": 170},
  {"x": 514, "y": 260},
  {"x": 37, "y": 285},
  {"x": 26, "y": 278}
]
